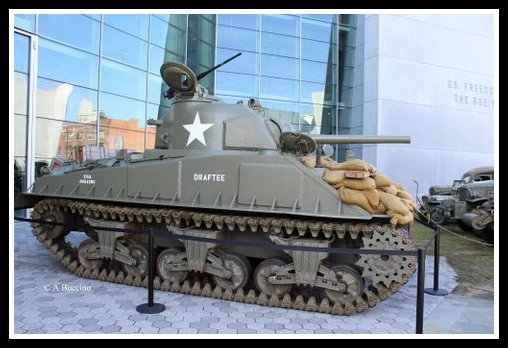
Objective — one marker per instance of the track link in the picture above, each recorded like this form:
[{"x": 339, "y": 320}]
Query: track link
[{"x": 66, "y": 253}]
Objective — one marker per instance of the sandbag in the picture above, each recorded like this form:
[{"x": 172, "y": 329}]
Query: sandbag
[
  {"x": 399, "y": 186},
  {"x": 380, "y": 209},
  {"x": 310, "y": 161},
  {"x": 381, "y": 180},
  {"x": 334, "y": 177},
  {"x": 389, "y": 189},
  {"x": 360, "y": 184},
  {"x": 393, "y": 203},
  {"x": 399, "y": 219},
  {"x": 404, "y": 194},
  {"x": 355, "y": 197},
  {"x": 410, "y": 204},
  {"x": 355, "y": 164},
  {"x": 373, "y": 198}
]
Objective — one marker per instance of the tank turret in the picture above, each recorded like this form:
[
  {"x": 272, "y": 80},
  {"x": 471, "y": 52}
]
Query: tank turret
[{"x": 227, "y": 171}]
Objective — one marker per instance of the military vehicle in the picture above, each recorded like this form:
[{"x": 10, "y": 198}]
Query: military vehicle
[
  {"x": 481, "y": 220},
  {"x": 445, "y": 203},
  {"x": 222, "y": 171}
]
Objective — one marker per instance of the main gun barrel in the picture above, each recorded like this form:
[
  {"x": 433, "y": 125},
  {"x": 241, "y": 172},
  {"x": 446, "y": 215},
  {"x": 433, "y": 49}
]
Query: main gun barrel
[{"x": 361, "y": 139}]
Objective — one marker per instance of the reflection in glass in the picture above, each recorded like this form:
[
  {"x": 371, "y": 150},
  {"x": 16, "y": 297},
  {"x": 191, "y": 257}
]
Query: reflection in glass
[
  {"x": 318, "y": 71},
  {"x": 21, "y": 53},
  {"x": 237, "y": 39},
  {"x": 280, "y": 45},
  {"x": 317, "y": 30},
  {"x": 282, "y": 24},
  {"x": 121, "y": 79},
  {"x": 279, "y": 66},
  {"x": 236, "y": 85},
  {"x": 75, "y": 30},
  {"x": 115, "y": 107},
  {"x": 170, "y": 36},
  {"x": 239, "y": 20},
  {"x": 20, "y": 93},
  {"x": 285, "y": 111},
  {"x": 273, "y": 88},
  {"x": 201, "y": 50},
  {"x": 135, "y": 24},
  {"x": 63, "y": 101},
  {"x": 318, "y": 51},
  {"x": 155, "y": 88},
  {"x": 25, "y": 22},
  {"x": 247, "y": 63},
  {"x": 317, "y": 93},
  {"x": 124, "y": 48},
  {"x": 74, "y": 66}
]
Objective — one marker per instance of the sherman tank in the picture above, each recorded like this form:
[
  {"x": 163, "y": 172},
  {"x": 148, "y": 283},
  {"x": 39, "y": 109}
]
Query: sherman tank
[{"x": 223, "y": 172}]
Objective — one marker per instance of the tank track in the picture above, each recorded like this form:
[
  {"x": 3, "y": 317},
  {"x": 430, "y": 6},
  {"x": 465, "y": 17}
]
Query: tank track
[{"x": 67, "y": 254}]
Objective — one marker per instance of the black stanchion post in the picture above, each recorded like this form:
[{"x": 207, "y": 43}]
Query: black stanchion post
[
  {"x": 420, "y": 290},
  {"x": 436, "y": 291},
  {"x": 150, "y": 307}
]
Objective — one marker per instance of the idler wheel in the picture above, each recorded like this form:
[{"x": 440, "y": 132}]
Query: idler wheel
[
  {"x": 55, "y": 215},
  {"x": 165, "y": 258},
  {"x": 264, "y": 271}
]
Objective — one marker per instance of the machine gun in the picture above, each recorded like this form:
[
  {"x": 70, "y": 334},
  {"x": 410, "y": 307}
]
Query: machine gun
[{"x": 171, "y": 92}]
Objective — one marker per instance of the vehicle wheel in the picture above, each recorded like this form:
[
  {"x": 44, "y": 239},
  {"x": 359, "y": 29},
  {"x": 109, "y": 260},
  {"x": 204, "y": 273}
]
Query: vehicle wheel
[
  {"x": 85, "y": 248},
  {"x": 165, "y": 258},
  {"x": 438, "y": 216},
  {"x": 140, "y": 254},
  {"x": 350, "y": 277},
  {"x": 266, "y": 269},
  {"x": 240, "y": 267}
]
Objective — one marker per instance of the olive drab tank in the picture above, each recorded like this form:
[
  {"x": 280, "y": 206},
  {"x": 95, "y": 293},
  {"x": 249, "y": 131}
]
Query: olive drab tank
[{"x": 223, "y": 171}]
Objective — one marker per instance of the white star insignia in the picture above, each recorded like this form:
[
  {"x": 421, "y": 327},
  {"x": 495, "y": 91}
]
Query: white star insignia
[{"x": 196, "y": 130}]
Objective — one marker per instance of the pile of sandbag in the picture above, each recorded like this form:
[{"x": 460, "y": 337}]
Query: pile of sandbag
[{"x": 358, "y": 182}]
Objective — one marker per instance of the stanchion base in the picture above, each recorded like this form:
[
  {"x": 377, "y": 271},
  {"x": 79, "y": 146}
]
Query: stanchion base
[
  {"x": 146, "y": 309},
  {"x": 436, "y": 292}
]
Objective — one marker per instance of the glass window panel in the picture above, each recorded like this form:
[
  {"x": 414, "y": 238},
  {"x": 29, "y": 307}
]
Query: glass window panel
[
  {"x": 317, "y": 93},
  {"x": 282, "y": 24},
  {"x": 155, "y": 88},
  {"x": 318, "y": 72},
  {"x": 25, "y": 21},
  {"x": 284, "y": 111},
  {"x": 59, "y": 138},
  {"x": 124, "y": 48},
  {"x": 319, "y": 51},
  {"x": 346, "y": 94},
  {"x": 94, "y": 16},
  {"x": 20, "y": 93},
  {"x": 236, "y": 84},
  {"x": 279, "y": 66},
  {"x": 321, "y": 17},
  {"x": 347, "y": 37},
  {"x": 21, "y": 53},
  {"x": 273, "y": 88},
  {"x": 121, "y": 79},
  {"x": 20, "y": 123},
  {"x": 75, "y": 30},
  {"x": 167, "y": 36},
  {"x": 135, "y": 24},
  {"x": 317, "y": 30},
  {"x": 348, "y": 19},
  {"x": 234, "y": 100},
  {"x": 63, "y": 101},
  {"x": 237, "y": 39},
  {"x": 247, "y": 63},
  {"x": 239, "y": 20},
  {"x": 74, "y": 66},
  {"x": 347, "y": 56},
  {"x": 117, "y": 135},
  {"x": 158, "y": 56},
  {"x": 120, "y": 108},
  {"x": 156, "y": 111},
  {"x": 280, "y": 44},
  {"x": 317, "y": 118}
]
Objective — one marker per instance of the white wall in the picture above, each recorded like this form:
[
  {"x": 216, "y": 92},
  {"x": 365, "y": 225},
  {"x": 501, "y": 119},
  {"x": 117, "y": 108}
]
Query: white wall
[{"x": 422, "y": 78}]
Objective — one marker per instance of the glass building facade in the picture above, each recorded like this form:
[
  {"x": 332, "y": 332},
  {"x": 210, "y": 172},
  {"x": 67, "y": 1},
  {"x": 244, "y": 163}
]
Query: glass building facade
[{"x": 84, "y": 85}]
